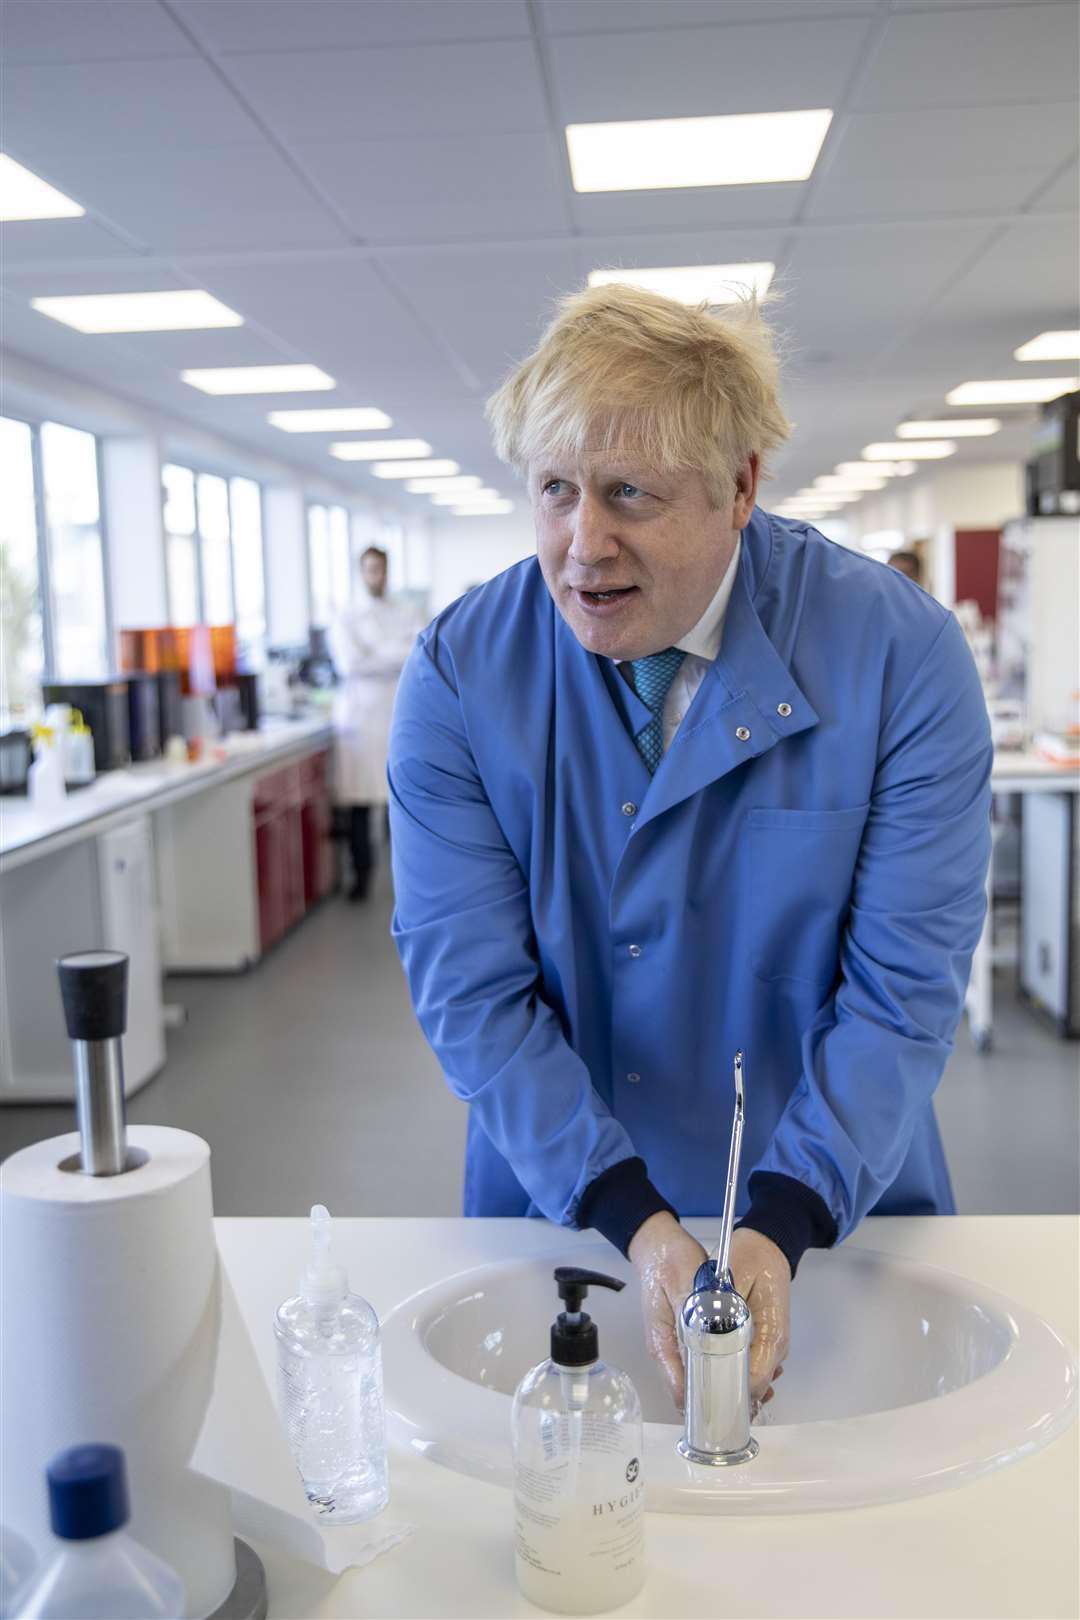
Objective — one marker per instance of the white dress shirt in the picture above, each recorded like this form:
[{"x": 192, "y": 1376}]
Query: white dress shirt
[{"x": 701, "y": 645}]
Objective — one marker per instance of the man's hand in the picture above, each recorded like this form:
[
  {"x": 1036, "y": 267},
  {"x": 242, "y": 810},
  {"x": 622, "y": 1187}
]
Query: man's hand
[
  {"x": 763, "y": 1278},
  {"x": 665, "y": 1258}
]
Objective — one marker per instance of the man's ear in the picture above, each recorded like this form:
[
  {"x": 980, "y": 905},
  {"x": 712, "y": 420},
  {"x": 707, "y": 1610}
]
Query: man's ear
[{"x": 746, "y": 482}]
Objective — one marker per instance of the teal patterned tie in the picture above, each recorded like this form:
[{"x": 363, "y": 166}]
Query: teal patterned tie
[{"x": 652, "y": 679}]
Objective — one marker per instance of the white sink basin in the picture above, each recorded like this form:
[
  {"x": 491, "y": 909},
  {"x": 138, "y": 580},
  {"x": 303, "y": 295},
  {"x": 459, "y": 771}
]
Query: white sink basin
[{"x": 902, "y": 1379}]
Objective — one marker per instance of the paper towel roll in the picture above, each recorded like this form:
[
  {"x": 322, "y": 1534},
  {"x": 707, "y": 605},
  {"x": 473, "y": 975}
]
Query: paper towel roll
[{"x": 109, "y": 1332}]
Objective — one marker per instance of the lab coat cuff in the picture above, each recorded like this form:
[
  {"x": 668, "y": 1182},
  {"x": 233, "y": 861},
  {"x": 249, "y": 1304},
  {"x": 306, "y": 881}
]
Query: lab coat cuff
[
  {"x": 794, "y": 1216},
  {"x": 619, "y": 1200}
]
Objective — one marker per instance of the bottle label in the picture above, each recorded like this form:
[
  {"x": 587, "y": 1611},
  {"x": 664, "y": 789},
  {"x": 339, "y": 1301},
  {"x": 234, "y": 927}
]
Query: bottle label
[{"x": 580, "y": 1513}]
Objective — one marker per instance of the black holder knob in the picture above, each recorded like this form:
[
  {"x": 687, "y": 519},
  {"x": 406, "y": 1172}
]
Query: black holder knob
[{"x": 93, "y": 987}]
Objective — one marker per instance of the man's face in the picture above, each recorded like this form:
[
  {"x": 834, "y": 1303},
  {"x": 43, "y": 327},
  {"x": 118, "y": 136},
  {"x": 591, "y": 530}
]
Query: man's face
[
  {"x": 604, "y": 524},
  {"x": 374, "y": 571}
]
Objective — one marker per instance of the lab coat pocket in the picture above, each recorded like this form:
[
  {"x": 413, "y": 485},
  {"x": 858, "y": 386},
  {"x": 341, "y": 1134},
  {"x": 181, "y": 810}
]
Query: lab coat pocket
[{"x": 799, "y": 880}]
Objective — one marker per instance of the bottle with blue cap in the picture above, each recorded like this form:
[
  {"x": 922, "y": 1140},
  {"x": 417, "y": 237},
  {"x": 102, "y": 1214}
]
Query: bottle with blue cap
[
  {"x": 101, "y": 1573},
  {"x": 331, "y": 1389}
]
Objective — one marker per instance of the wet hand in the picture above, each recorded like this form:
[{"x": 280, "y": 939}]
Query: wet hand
[
  {"x": 763, "y": 1278},
  {"x": 666, "y": 1259}
]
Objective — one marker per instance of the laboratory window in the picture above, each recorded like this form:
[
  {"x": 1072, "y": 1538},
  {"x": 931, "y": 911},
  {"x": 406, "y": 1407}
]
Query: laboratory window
[
  {"x": 329, "y": 562},
  {"x": 214, "y": 553},
  {"x": 55, "y": 622}
]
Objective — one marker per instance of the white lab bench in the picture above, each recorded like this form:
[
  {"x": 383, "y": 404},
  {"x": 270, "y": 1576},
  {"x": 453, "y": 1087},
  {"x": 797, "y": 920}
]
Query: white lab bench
[
  {"x": 143, "y": 860},
  {"x": 1048, "y": 835}
]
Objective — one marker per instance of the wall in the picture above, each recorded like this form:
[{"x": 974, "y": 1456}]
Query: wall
[
  {"x": 467, "y": 551},
  {"x": 975, "y": 496}
]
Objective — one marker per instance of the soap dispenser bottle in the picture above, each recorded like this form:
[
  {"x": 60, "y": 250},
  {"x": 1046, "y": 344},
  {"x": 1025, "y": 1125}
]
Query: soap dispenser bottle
[
  {"x": 330, "y": 1388},
  {"x": 579, "y": 1493}
]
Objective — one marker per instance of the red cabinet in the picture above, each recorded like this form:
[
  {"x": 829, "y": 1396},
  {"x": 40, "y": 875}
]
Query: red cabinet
[{"x": 294, "y": 857}]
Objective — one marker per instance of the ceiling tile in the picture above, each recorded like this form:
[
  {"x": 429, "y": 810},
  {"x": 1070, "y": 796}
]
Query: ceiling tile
[
  {"x": 419, "y": 90},
  {"x": 1029, "y": 269},
  {"x": 682, "y": 73},
  {"x": 340, "y": 313},
  {"x": 490, "y": 307},
  {"x": 74, "y": 31},
  {"x": 940, "y": 160},
  {"x": 29, "y": 241},
  {"x": 949, "y": 58},
  {"x": 1063, "y": 192},
  {"x": 228, "y": 198},
  {"x": 101, "y": 108},
  {"x": 703, "y": 208},
  {"x": 283, "y": 25},
  {"x": 446, "y": 188},
  {"x": 620, "y": 16}
]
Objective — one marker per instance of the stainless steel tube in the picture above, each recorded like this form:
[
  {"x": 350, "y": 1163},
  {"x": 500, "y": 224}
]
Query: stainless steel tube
[{"x": 99, "y": 1105}]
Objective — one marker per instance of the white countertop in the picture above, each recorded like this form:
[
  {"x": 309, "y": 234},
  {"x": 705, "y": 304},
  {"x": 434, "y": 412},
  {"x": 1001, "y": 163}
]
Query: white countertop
[
  {"x": 1018, "y": 770},
  {"x": 1006, "y": 1545},
  {"x": 28, "y": 831}
]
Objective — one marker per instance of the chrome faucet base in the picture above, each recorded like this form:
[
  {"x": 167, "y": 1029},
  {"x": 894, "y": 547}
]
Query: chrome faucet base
[{"x": 717, "y": 1459}]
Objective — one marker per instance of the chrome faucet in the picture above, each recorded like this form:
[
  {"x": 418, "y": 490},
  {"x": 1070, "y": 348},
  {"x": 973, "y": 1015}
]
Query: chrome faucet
[{"x": 715, "y": 1331}]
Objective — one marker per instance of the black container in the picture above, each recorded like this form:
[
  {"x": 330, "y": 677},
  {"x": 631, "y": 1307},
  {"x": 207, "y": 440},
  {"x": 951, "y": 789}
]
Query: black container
[
  {"x": 14, "y": 761},
  {"x": 248, "y": 687},
  {"x": 104, "y": 707},
  {"x": 144, "y": 716},
  {"x": 170, "y": 699}
]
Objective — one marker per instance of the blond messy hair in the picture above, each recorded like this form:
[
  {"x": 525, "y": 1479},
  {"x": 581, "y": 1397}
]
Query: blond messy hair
[{"x": 627, "y": 372}]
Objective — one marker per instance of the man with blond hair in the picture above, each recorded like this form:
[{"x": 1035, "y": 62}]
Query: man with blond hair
[{"x": 693, "y": 779}]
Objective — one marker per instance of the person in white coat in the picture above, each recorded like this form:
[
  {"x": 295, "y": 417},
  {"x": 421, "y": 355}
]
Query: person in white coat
[{"x": 369, "y": 643}]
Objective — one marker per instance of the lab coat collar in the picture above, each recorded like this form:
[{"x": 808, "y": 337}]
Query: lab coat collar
[{"x": 742, "y": 690}]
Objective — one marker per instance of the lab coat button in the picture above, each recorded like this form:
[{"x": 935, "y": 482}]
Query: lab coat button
[
  {"x": 629, "y": 809},
  {"x": 635, "y": 950},
  {"x": 783, "y": 710},
  {"x": 742, "y": 733},
  {"x": 633, "y": 1079}
]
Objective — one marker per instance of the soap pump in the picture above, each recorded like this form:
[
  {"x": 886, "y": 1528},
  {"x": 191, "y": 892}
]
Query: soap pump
[{"x": 579, "y": 1492}]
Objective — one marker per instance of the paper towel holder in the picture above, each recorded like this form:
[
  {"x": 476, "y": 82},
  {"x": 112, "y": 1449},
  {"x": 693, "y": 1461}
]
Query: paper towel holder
[{"x": 93, "y": 988}]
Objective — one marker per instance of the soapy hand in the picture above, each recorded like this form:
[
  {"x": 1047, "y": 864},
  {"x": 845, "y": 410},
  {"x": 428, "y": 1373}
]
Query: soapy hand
[
  {"x": 666, "y": 1259},
  {"x": 763, "y": 1278}
]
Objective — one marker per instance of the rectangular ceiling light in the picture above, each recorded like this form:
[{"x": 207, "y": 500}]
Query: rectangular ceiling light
[
  {"x": 429, "y": 486},
  {"x": 880, "y": 469},
  {"x": 741, "y": 149},
  {"x": 348, "y": 419},
  {"x": 258, "y": 379},
  {"x": 971, "y": 427},
  {"x": 832, "y": 481},
  {"x": 24, "y": 196},
  {"x": 830, "y": 495},
  {"x": 1012, "y": 391},
  {"x": 415, "y": 469},
  {"x": 183, "y": 311},
  {"x": 1050, "y": 346},
  {"x": 491, "y": 510},
  {"x": 380, "y": 449},
  {"x": 694, "y": 283},
  {"x": 914, "y": 449}
]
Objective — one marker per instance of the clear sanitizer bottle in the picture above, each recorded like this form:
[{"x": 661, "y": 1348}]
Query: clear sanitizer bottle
[
  {"x": 330, "y": 1388},
  {"x": 579, "y": 1491}
]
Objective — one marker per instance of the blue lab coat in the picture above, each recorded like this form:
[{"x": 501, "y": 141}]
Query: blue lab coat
[{"x": 587, "y": 945}]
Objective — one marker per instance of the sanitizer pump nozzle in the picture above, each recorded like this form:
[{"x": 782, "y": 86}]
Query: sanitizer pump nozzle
[
  {"x": 323, "y": 1283},
  {"x": 574, "y": 1340}
]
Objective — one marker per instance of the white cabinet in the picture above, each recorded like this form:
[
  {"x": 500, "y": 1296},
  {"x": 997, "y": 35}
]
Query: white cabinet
[{"x": 91, "y": 894}]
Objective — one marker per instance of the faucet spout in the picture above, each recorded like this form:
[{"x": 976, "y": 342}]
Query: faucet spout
[{"x": 715, "y": 1330}]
